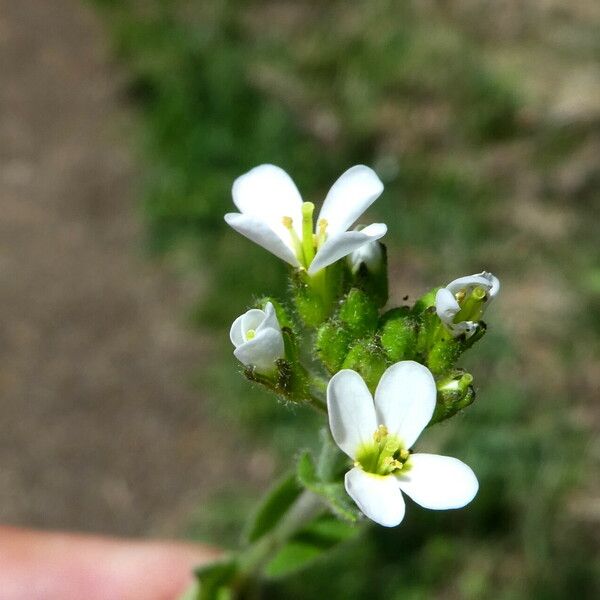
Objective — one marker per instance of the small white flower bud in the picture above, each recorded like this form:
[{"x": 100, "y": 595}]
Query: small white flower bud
[{"x": 257, "y": 338}]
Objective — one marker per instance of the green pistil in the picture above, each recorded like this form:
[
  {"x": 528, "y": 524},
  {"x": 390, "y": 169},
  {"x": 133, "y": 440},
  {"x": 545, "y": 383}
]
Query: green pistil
[
  {"x": 308, "y": 247},
  {"x": 385, "y": 455},
  {"x": 471, "y": 304},
  {"x": 250, "y": 334}
]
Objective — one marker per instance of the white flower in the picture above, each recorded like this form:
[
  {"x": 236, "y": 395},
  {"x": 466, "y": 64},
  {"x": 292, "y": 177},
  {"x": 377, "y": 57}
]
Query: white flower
[
  {"x": 463, "y": 301},
  {"x": 273, "y": 215},
  {"x": 378, "y": 434},
  {"x": 257, "y": 338}
]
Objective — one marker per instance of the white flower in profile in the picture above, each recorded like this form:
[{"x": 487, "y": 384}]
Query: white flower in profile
[
  {"x": 378, "y": 434},
  {"x": 257, "y": 338},
  {"x": 463, "y": 301},
  {"x": 273, "y": 215}
]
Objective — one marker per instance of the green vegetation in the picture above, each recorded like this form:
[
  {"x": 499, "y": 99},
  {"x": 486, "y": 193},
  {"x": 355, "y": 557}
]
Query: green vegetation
[{"x": 478, "y": 174}]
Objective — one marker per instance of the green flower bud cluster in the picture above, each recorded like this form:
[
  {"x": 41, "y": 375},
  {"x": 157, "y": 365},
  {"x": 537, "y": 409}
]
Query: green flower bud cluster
[{"x": 340, "y": 311}]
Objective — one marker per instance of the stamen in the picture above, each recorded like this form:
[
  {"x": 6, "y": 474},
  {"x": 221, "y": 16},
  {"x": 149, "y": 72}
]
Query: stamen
[
  {"x": 472, "y": 304},
  {"x": 250, "y": 334},
  {"x": 380, "y": 433},
  {"x": 321, "y": 232},
  {"x": 288, "y": 223}
]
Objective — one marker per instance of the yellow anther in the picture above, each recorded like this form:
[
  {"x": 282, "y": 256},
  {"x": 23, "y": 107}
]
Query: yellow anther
[
  {"x": 322, "y": 225},
  {"x": 404, "y": 454},
  {"x": 380, "y": 433},
  {"x": 460, "y": 296},
  {"x": 288, "y": 222}
]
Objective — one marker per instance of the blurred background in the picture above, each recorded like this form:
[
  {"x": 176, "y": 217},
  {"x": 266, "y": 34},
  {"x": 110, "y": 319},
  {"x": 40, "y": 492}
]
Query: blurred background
[{"x": 122, "y": 127}]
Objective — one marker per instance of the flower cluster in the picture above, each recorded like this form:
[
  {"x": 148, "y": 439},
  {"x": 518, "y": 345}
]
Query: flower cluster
[{"x": 380, "y": 376}]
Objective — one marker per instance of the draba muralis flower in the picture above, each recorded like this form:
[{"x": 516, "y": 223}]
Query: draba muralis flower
[
  {"x": 257, "y": 338},
  {"x": 273, "y": 215},
  {"x": 461, "y": 304},
  {"x": 378, "y": 435}
]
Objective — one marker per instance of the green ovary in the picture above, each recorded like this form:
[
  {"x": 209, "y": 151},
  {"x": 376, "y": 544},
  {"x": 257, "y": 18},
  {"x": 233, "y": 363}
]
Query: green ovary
[{"x": 385, "y": 455}]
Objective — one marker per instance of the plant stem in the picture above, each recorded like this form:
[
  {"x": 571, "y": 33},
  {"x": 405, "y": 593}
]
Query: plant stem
[{"x": 255, "y": 558}]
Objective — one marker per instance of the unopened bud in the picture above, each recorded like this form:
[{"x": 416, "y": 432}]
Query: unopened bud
[
  {"x": 455, "y": 392},
  {"x": 358, "y": 314},
  {"x": 368, "y": 360},
  {"x": 368, "y": 266},
  {"x": 399, "y": 334}
]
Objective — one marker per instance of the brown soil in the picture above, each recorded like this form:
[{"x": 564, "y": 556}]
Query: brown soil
[{"x": 99, "y": 428}]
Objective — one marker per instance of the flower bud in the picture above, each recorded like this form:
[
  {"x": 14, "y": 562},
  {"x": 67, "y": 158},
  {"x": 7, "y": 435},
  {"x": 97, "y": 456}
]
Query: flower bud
[
  {"x": 368, "y": 266},
  {"x": 333, "y": 342},
  {"x": 368, "y": 360},
  {"x": 455, "y": 392},
  {"x": 358, "y": 314},
  {"x": 399, "y": 334},
  {"x": 257, "y": 338}
]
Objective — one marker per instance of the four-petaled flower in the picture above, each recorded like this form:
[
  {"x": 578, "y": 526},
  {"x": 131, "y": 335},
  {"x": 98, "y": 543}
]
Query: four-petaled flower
[
  {"x": 378, "y": 436},
  {"x": 257, "y": 338},
  {"x": 463, "y": 301},
  {"x": 273, "y": 215}
]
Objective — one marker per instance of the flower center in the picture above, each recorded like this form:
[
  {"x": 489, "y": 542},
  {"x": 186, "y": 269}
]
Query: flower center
[
  {"x": 472, "y": 303},
  {"x": 306, "y": 246},
  {"x": 250, "y": 334},
  {"x": 385, "y": 455}
]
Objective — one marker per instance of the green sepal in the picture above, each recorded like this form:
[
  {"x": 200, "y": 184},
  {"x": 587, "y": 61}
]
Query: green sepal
[
  {"x": 273, "y": 507},
  {"x": 332, "y": 345},
  {"x": 290, "y": 380},
  {"x": 368, "y": 359},
  {"x": 444, "y": 353},
  {"x": 320, "y": 535},
  {"x": 283, "y": 315},
  {"x": 398, "y": 335},
  {"x": 429, "y": 328},
  {"x": 454, "y": 392},
  {"x": 333, "y": 493},
  {"x": 310, "y": 297},
  {"x": 374, "y": 281},
  {"x": 216, "y": 580},
  {"x": 358, "y": 313},
  {"x": 332, "y": 463},
  {"x": 425, "y": 301}
]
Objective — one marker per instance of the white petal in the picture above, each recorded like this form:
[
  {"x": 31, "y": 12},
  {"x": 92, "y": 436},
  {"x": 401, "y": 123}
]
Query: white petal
[
  {"x": 340, "y": 245},
  {"x": 379, "y": 498},
  {"x": 263, "y": 235},
  {"x": 446, "y": 306},
  {"x": 268, "y": 193},
  {"x": 235, "y": 333},
  {"x": 371, "y": 254},
  {"x": 405, "y": 400},
  {"x": 349, "y": 197},
  {"x": 439, "y": 482},
  {"x": 270, "y": 318},
  {"x": 252, "y": 320},
  {"x": 487, "y": 280},
  {"x": 351, "y": 411},
  {"x": 261, "y": 351}
]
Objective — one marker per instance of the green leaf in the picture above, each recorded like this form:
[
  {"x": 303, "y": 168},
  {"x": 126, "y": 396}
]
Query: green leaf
[
  {"x": 309, "y": 543},
  {"x": 276, "y": 503},
  {"x": 215, "y": 580},
  {"x": 332, "y": 492}
]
